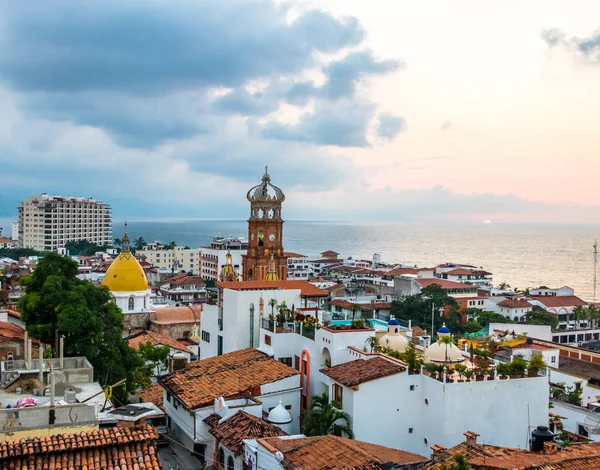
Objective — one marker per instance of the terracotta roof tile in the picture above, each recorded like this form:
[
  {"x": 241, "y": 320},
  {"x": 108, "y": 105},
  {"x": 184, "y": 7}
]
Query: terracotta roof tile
[
  {"x": 514, "y": 303},
  {"x": 232, "y": 432},
  {"x": 307, "y": 289},
  {"x": 172, "y": 315},
  {"x": 329, "y": 253},
  {"x": 574, "y": 457},
  {"x": 401, "y": 271},
  {"x": 122, "y": 448},
  {"x": 551, "y": 301},
  {"x": 354, "y": 373},
  {"x": 236, "y": 374},
  {"x": 331, "y": 452},
  {"x": 156, "y": 339},
  {"x": 12, "y": 332},
  {"x": 153, "y": 394}
]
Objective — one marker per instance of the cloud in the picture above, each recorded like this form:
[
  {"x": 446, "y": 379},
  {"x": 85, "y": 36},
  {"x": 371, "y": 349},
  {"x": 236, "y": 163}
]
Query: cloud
[
  {"x": 157, "y": 47},
  {"x": 390, "y": 125},
  {"x": 445, "y": 126},
  {"x": 343, "y": 124},
  {"x": 587, "y": 48}
]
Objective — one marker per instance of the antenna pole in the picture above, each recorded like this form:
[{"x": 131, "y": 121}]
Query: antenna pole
[{"x": 595, "y": 266}]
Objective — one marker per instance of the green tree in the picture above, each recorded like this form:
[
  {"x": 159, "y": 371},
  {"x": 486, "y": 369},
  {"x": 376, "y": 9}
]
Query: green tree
[
  {"x": 16, "y": 253},
  {"x": 541, "y": 318},
  {"x": 456, "y": 462},
  {"x": 418, "y": 308},
  {"x": 325, "y": 417},
  {"x": 156, "y": 359},
  {"x": 272, "y": 304},
  {"x": 472, "y": 327},
  {"x": 413, "y": 358},
  {"x": 139, "y": 243},
  {"x": 56, "y": 301},
  {"x": 83, "y": 248},
  {"x": 485, "y": 317}
]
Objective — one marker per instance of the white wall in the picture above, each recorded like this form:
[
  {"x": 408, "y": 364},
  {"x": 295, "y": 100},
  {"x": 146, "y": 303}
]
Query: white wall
[
  {"x": 209, "y": 322},
  {"x": 573, "y": 417},
  {"x": 122, "y": 301}
]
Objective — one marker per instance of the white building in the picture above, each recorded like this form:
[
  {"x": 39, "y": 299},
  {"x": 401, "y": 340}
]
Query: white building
[
  {"x": 561, "y": 305},
  {"x": 7, "y": 243},
  {"x": 177, "y": 259},
  {"x": 464, "y": 273},
  {"x": 47, "y": 223},
  {"x": 247, "y": 379},
  {"x": 514, "y": 309},
  {"x": 14, "y": 230},
  {"x": 391, "y": 407},
  {"x": 299, "y": 266},
  {"x": 234, "y": 323},
  {"x": 213, "y": 257},
  {"x": 183, "y": 289},
  {"x": 560, "y": 291}
]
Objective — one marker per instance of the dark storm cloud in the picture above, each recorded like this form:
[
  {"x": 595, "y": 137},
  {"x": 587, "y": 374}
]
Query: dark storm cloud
[
  {"x": 390, "y": 125},
  {"x": 154, "y": 46},
  {"x": 342, "y": 124}
]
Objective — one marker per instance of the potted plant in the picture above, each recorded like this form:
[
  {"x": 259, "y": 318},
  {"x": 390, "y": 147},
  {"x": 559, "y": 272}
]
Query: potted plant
[
  {"x": 518, "y": 367},
  {"x": 468, "y": 373},
  {"x": 503, "y": 370},
  {"x": 536, "y": 363},
  {"x": 461, "y": 369}
]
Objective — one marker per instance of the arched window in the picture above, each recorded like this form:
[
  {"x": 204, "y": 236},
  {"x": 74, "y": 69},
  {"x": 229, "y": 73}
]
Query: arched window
[
  {"x": 261, "y": 238},
  {"x": 131, "y": 305},
  {"x": 221, "y": 457},
  {"x": 230, "y": 463},
  {"x": 249, "y": 275}
]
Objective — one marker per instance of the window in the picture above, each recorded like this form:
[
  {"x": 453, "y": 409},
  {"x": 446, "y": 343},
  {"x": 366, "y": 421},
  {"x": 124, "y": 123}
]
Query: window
[
  {"x": 267, "y": 340},
  {"x": 286, "y": 360},
  {"x": 581, "y": 430},
  {"x": 297, "y": 362},
  {"x": 337, "y": 393},
  {"x": 219, "y": 345},
  {"x": 205, "y": 336},
  {"x": 221, "y": 457},
  {"x": 175, "y": 405},
  {"x": 412, "y": 388},
  {"x": 553, "y": 359},
  {"x": 168, "y": 397},
  {"x": 230, "y": 463},
  {"x": 426, "y": 402},
  {"x": 131, "y": 303},
  {"x": 410, "y": 430}
]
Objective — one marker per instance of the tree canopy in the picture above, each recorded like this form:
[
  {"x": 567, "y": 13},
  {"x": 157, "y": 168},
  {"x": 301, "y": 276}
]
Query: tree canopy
[
  {"x": 485, "y": 317},
  {"x": 84, "y": 248},
  {"x": 418, "y": 308},
  {"x": 325, "y": 417},
  {"x": 541, "y": 318},
  {"x": 56, "y": 300}
]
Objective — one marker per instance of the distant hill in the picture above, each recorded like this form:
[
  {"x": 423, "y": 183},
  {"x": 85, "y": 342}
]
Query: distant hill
[{"x": 8, "y": 206}]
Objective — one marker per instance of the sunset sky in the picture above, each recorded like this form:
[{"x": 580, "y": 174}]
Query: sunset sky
[{"x": 378, "y": 110}]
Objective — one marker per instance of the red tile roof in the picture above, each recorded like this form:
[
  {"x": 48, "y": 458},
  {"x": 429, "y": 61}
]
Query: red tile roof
[
  {"x": 329, "y": 253},
  {"x": 122, "y": 448},
  {"x": 458, "y": 272},
  {"x": 232, "y": 432},
  {"x": 401, "y": 271},
  {"x": 514, "y": 303},
  {"x": 444, "y": 284},
  {"x": 184, "y": 280},
  {"x": 291, "y": 254},
  {"x": 12, "y": 332},
  {"x": 333, "y": 452},
  {"x": 156, "y": 340},
  {"x": 153, "y": 394},
  {"x": 307, "y": 289},
  {"x": 574, "y": 457},
  {"x": 236, "y": 374},
  {"x": 552, "y": 301},
  {"x": 355, "y": 372},
  {"x": 174, "y": 315}
]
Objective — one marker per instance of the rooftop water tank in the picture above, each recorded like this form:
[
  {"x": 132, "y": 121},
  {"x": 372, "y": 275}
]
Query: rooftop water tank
[{"x": 540, "y": 435}]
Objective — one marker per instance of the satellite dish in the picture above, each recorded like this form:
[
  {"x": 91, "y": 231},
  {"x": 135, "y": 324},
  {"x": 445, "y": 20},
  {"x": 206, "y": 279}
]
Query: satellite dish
[{"x": 592, "y": 421}]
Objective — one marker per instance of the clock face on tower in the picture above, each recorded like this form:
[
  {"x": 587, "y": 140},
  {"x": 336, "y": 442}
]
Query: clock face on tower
[{"x": 272, "y": 237}]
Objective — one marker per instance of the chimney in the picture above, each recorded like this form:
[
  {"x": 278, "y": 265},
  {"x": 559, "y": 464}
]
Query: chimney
[
  {"x": 550, "y": 447},
  {"x": 471, "y": 438},
  {"x": 438, "y": 452},
  {"x": 178, "y": 362}
]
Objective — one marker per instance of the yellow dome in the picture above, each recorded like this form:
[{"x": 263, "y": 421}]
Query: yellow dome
[{"x": 125, "y": 275}]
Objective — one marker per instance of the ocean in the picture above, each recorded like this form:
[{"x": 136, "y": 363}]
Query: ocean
[{"x": 522, "y": 255}]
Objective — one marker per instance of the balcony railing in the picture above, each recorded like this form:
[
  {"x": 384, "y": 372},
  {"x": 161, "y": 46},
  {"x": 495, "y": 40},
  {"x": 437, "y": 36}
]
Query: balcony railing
[{"x": 288, "y": 327}]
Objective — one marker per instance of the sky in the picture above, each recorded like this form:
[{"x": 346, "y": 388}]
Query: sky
[{"x": 378, "y": 110}]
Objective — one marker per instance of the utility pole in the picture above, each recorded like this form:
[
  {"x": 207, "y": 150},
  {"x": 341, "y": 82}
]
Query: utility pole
[{"x": 595, "y": 266}]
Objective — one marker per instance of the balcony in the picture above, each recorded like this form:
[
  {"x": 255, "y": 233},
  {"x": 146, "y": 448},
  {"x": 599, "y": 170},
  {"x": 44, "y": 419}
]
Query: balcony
[{"x": 289, "y": 327}]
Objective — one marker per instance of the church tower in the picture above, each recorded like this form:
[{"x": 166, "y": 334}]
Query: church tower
[{"x": 264, "y": 259}]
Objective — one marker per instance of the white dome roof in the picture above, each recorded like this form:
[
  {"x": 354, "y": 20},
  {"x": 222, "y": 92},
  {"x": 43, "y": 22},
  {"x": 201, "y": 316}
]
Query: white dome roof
[
  {"x": 443, "y": 352},
  {"x": 279, "y": 415},
  {"x": 394, "y": 341}
]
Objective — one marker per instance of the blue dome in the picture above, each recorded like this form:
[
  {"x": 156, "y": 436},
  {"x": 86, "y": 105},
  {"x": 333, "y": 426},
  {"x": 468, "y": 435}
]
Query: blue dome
[
  {"x": 394, "y": 322},
  {"x": 444, "y": 329}
]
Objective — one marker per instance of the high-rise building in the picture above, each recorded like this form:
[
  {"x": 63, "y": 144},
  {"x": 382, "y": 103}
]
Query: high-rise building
[
  {"x": 265, "y": 259},
  {"x": 47, "y": 223}
]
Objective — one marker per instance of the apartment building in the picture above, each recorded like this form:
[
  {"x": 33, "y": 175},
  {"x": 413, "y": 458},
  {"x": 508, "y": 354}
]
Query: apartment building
[
  {"x": 213, "y": 257},
  {"x": 47, "y": 223},
  {"x": 176, "y": 259}
]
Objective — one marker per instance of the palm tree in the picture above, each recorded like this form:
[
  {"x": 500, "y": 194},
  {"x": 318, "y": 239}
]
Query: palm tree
[
  {"x": 139, "y": 243},
  {"x": 283, "y": 308},
  {"x": 355, "y": 308},
  {"x": 503, "y": 286},
  {"x": 171, "y": 245},
  {"x": 413, "y": 358},
  {"x": 117, "y": 243},
  {"x": 324, "y": 417},
  {"x": 373, "y": 342},
  {"x": 272, "y": 304},
  {"x": 447, "y": 340}
]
